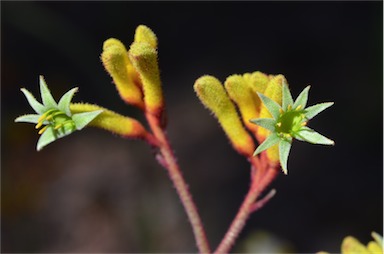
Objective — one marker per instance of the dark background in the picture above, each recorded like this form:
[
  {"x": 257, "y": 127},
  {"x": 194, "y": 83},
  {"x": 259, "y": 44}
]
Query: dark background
[{"x": 94, "y": 192}]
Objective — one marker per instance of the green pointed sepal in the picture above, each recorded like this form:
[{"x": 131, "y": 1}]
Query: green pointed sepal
[{"x": 57, "y": 118}]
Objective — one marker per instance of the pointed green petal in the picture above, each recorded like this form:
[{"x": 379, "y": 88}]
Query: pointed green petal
[
  {"x": 272, "y": 106},
  {"x": 46, "y": 95},
  {"x": 65, "y": 101},
  {"x": 312, "y": 111},
  {"x": 267, "y": 123},
  {"x": 83, "y": 119},
  {"x": 37, "y": 106},
  {"x": 313, "y": 137},
  {"x": 268, "y": 142},
  {"x": 31, "y": 118},
  {"x": 46, "y": 138},
  {"x": 302, "y": 98},
  {"x": 284, "y": 148},
  {"x": 287, "y": 97}
]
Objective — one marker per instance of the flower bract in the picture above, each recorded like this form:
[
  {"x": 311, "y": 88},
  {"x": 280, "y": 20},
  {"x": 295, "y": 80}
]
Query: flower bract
[
  {"x": 54, "y": 120},
  {"x": 289, "y": 121}
]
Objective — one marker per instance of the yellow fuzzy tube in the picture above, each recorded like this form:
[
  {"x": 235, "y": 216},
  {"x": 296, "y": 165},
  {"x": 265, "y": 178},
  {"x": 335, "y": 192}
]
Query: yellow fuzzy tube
[
  {"x": 374, "y": 247},
  {"x": 239, "y": 91},
  {"x": 111, "y": 121},
  {"x": 274, "y": 92},
  {"x": 351, "y": 245},
  {"x": 145, "y": 34},
  {"x": 212, "y": 94},
  {"x": 144, "y": 59},
  {"x": 257, "y": 81},
  {"x": 116, "y": 62}
]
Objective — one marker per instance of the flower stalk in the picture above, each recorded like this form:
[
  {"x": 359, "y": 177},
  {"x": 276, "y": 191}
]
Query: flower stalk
[
  {"x": 253, "y": 107},
  {"x": 167, "y": 159}
]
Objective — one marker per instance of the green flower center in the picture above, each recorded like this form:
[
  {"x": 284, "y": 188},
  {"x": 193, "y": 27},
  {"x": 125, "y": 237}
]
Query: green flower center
[
  {"x": 290, "y": 122},
  {"x": 58, "y": 120}
]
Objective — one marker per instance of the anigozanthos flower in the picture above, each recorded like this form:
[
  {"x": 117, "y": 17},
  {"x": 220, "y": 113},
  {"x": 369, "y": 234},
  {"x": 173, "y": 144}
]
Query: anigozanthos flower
[
  {"x": 351, "y": 245},
  {"x": 57, "y": 119},
  {"x": 289, "y": 121}
]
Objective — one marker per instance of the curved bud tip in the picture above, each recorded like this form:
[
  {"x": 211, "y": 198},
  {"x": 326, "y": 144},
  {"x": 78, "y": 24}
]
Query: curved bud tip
[
  {"x": 145, "y": 34},
  {"x": 144, "y": 59},
  {"x": 116, "y": 62}
]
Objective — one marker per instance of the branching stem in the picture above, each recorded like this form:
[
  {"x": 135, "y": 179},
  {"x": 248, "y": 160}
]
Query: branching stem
[
  {"x": 261, "y": 180},
  {"x": 169, "y": 161}
]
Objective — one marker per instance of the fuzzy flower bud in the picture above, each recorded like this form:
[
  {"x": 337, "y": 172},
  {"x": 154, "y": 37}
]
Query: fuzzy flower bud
[
  {"x": 116, "y": 62},
  {"x": 212, "y": 94}
]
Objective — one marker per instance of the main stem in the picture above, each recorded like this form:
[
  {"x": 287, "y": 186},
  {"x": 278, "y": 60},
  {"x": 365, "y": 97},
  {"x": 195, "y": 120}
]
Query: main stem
[
  {"x": 246, "y": 209},
  {"x": 181, "y": 187}
]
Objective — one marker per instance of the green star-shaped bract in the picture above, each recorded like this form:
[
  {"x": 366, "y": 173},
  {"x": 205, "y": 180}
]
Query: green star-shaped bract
[
  {"x": 57, "y": 117},
  {"x": 288, "y": 122}
]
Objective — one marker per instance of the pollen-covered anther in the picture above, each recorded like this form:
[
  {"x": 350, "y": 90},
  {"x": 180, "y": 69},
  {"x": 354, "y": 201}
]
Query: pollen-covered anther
[
  {"x": 278, "y": 124},
  {"x": 43, "y": 129},
  {"x": 287, "y": 135},
  {"x": 42, "y": 118},
  {"x": 299, "y": 107},
  {"x": 304, "y": 123},
  {"x": 289, "y": 107},
  {"x": 39, "y": 124}
]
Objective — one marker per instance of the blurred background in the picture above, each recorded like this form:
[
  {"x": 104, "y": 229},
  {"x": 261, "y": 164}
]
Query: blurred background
[{"x": 95, "y": 192}]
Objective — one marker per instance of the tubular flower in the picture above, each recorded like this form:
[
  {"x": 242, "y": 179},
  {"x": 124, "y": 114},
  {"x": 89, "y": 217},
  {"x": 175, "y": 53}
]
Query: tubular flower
[
  {"x": 213, "y": 95},
  {"x": 135, "y": 72},
  {"x": 289, "y": 121},
  {"x": 351, "y": 245},
  {"x": 57, "y": 119}
]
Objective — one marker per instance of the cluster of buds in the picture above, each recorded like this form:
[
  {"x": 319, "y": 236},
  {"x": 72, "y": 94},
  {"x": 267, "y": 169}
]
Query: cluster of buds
[
  {"x": 241, "y": 91},
  {"x": 268, "y": 114},
  {"x": 135, "y": 72},
  {"x": 137, "y": 78}
]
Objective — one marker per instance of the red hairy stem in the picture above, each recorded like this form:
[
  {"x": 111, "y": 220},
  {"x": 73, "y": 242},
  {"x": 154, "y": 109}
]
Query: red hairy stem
[
  {"x": 259, "y": 184},
  {"x": 169, "y": 162}
]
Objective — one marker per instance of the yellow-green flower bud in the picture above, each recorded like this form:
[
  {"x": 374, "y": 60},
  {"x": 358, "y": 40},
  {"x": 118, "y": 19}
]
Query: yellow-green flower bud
[
  {"x": 239, "y": 91},
  {"x": 116, "y": 62},
  {"x": 144, "y": 59},
  {"x": 145, "y": 34},
  {"x": 212, "y": 94},
  {"x": 111, "y": 121}
]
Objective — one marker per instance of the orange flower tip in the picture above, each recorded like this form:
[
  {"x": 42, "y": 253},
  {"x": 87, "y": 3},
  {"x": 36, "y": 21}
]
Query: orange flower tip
[
  {"x": 245, "y": 151},
  {"x": 303, "y": 123}
]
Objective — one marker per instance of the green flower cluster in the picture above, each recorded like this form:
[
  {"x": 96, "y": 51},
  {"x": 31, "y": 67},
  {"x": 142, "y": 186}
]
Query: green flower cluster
[
  {"x": 57, "y": 118},
  {"x": 289, "y": 121}
]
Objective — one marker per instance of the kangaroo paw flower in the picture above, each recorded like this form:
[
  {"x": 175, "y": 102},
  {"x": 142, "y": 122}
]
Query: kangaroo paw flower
[
  {"x": 57, "y": 118},
  {"x": 288, "y": 122},
  {"x": 213, "y": 95}
]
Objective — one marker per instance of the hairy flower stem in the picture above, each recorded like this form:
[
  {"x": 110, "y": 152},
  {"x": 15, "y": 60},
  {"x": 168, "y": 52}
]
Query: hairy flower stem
[
  {"x": 258, "y": 184},
  {"x": 168, "y": 160}
]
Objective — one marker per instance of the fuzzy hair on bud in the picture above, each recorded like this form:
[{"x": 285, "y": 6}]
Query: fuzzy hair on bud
[{"x": 213, "y": 95}]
